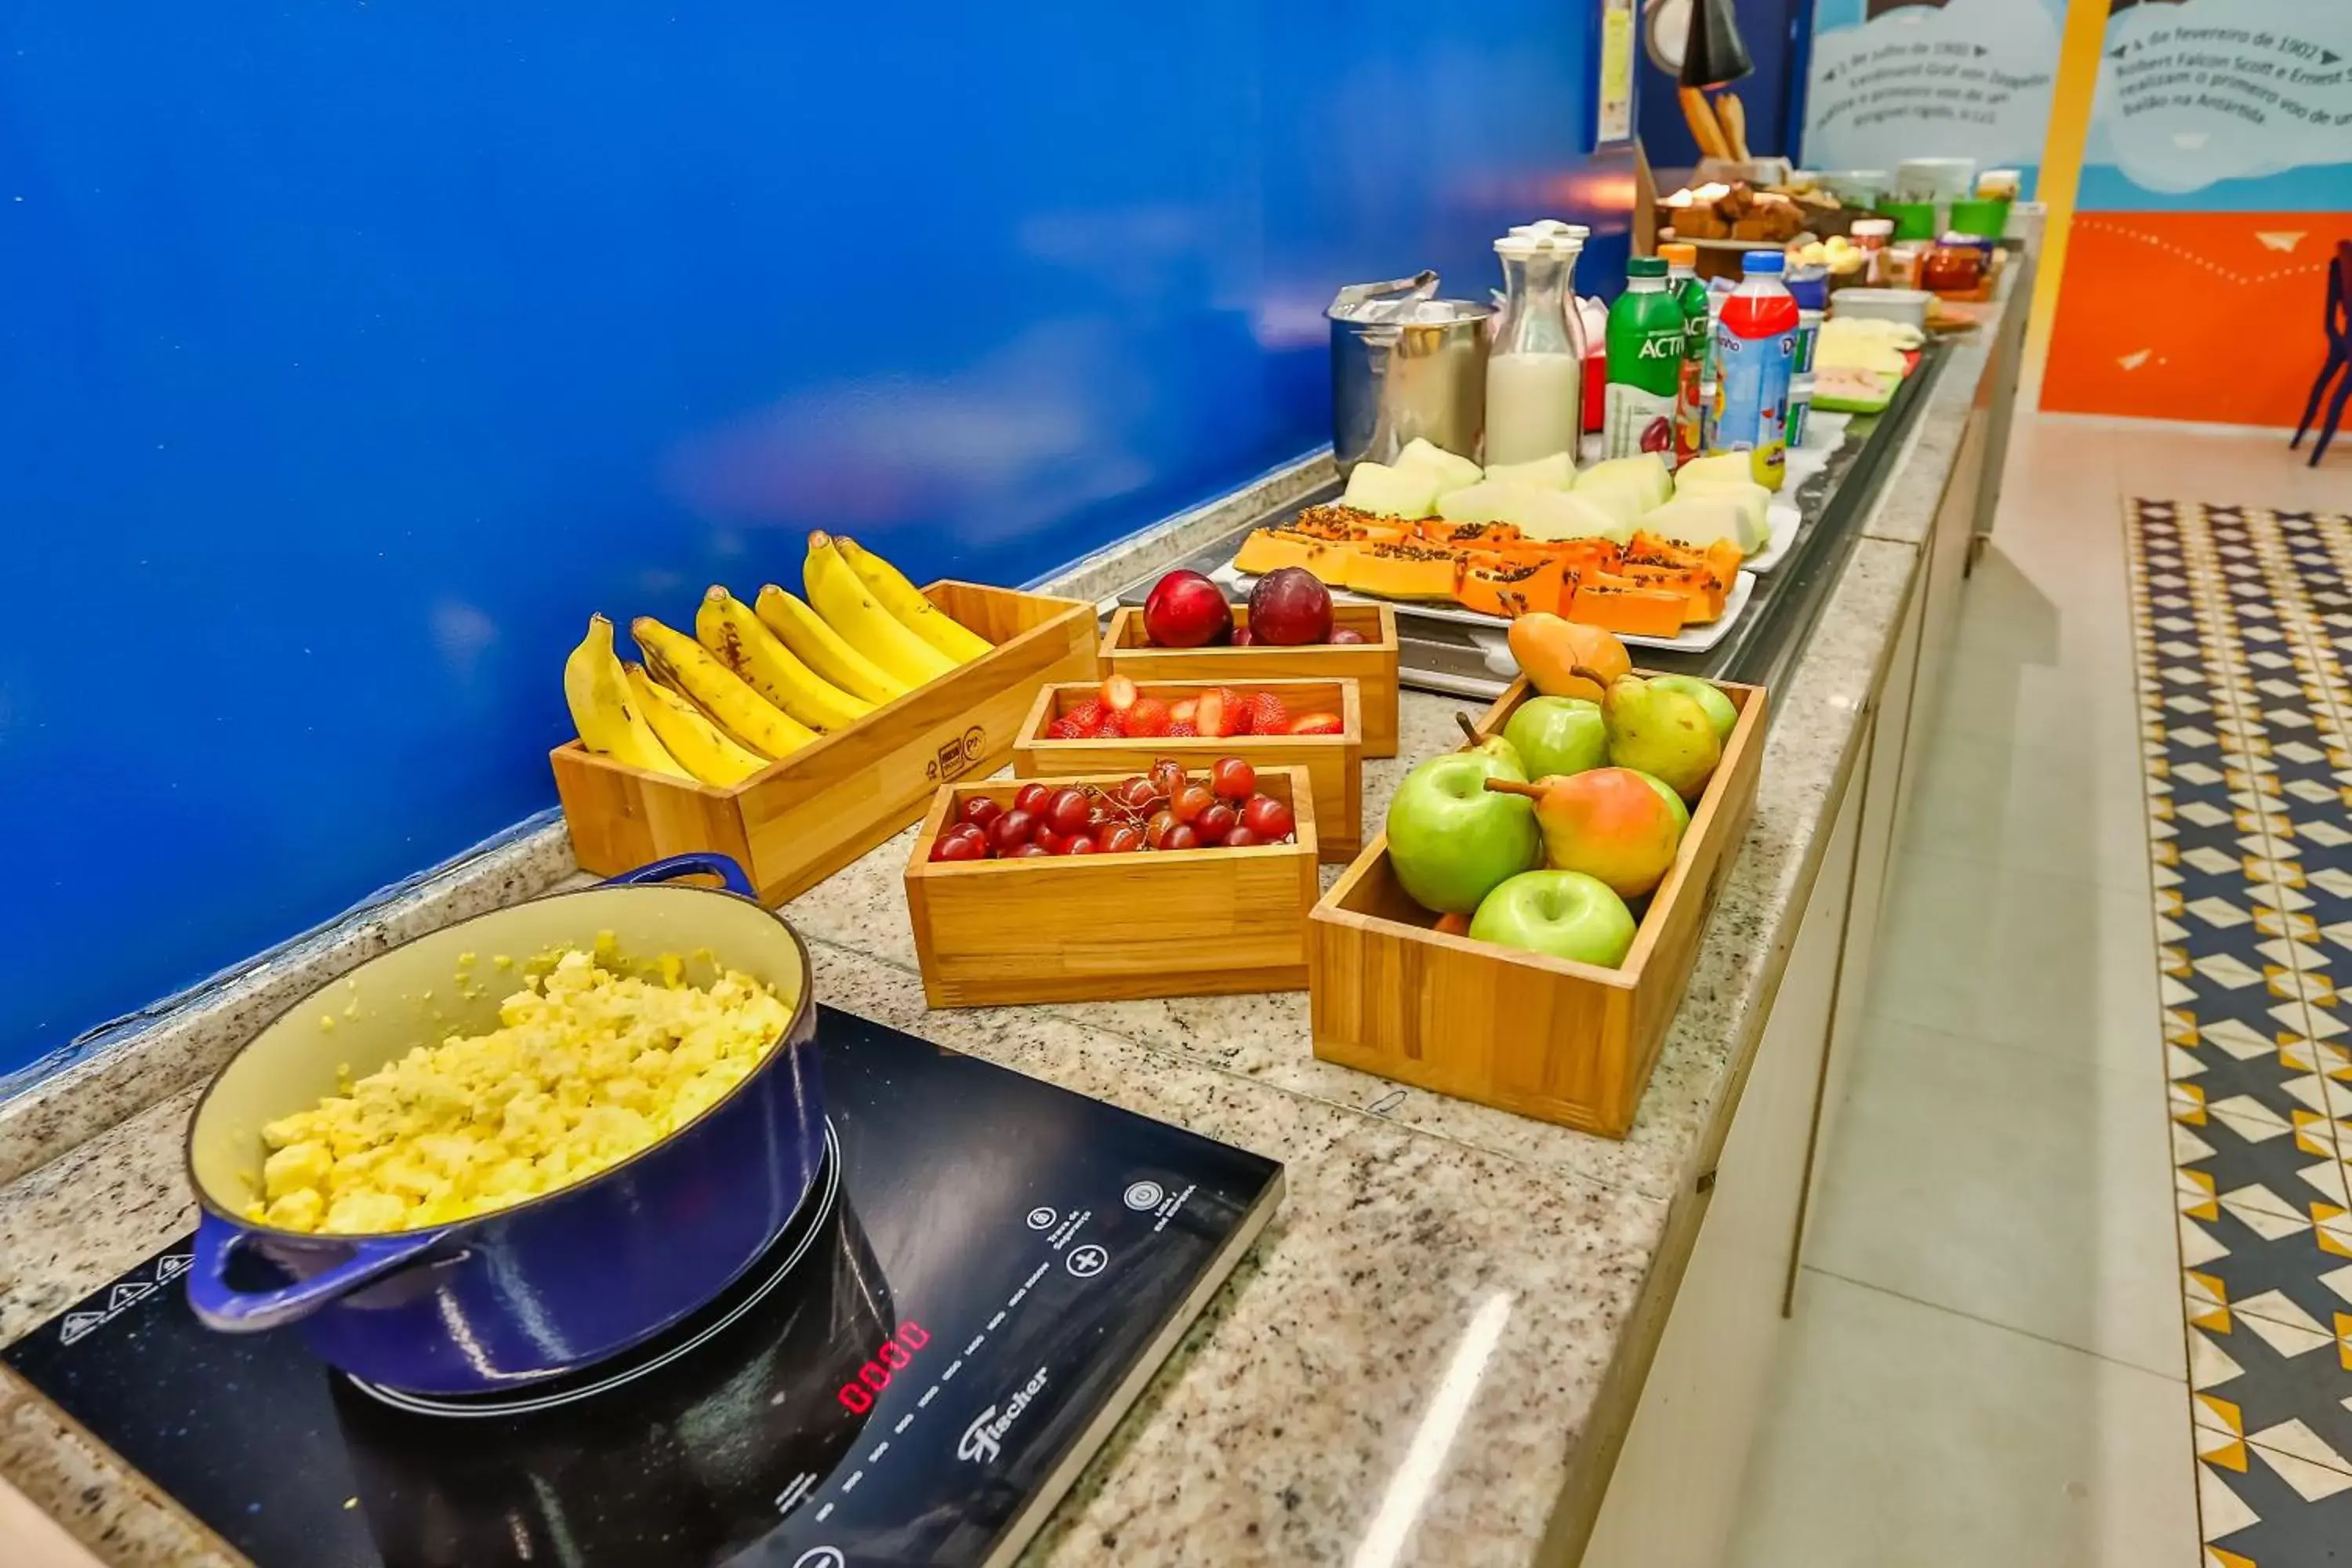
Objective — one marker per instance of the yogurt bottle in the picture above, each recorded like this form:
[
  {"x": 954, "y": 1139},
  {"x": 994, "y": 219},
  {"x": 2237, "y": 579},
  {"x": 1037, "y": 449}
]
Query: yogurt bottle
[{"x": 1754, "y": 355}]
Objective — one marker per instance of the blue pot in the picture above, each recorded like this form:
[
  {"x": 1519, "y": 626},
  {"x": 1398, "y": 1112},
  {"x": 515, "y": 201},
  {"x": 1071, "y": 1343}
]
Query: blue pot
[{"x": 550, "y": 1285}]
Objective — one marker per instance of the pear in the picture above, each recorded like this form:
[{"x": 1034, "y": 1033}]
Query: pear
[{"x": 1660, "y": 732}]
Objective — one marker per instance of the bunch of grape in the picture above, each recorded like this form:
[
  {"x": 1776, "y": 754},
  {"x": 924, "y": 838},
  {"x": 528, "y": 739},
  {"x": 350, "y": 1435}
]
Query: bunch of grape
[{"x": 1163, "y": 809}]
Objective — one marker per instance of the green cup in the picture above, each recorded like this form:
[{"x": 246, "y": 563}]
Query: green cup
[
  {"x": 1985, "y": 218},
  {"x": 1913, "y": 220}
]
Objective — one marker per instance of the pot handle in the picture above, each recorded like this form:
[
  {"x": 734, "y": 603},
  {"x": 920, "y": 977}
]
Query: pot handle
[
  {"x": 696, "y": 863},
  {"x": 220, "y": 1305}
]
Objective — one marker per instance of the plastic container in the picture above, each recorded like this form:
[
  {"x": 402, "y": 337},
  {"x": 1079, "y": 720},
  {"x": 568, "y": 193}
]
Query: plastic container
[
  {"x": 1952, "y": 269},
  {"x": 1809, "y": 339},
  {"x": 1800, "y": 408},
  {"x": 1535, "y": 376},
  {"x": 1913, "y": 220},
  {"x": 1754, "y": 349},
  {"x": 1699, "y": 334},
  {"x": 1645, "y": 363},
  {"x": 1883, "y": 304},
  {"x": 1982, "y": 218}
]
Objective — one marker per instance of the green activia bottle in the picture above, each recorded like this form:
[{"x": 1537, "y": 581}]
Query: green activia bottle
[
  {"x": 1646, "y": 334},
  {"x": 1685, "y": 284}
]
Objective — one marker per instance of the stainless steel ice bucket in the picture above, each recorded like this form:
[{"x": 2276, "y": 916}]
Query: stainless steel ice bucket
[{"x": 1404, "y": 363}]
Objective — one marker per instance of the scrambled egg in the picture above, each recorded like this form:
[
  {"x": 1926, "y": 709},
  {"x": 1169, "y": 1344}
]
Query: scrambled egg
[{"x": 588, "y": 1066}]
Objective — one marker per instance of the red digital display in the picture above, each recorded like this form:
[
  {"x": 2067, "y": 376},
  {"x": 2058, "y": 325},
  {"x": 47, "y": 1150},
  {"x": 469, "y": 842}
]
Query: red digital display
[{"x": 891, "y": 1358}]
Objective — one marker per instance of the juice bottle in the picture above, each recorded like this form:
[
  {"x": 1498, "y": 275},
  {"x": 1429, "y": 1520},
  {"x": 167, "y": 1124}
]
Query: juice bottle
[
  {"x": 1645, "y": 363},
  {"x": 1755, "y": 350},
  {"x": 1698, "y": 332}
]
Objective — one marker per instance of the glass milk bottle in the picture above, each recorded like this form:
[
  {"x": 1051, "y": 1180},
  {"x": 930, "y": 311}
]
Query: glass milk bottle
[{"x": 1535, "y": 376}]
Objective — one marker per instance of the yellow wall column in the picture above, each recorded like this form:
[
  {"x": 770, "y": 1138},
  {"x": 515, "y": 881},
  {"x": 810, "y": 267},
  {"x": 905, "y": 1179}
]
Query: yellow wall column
[{"x": 2062, "y": 168}]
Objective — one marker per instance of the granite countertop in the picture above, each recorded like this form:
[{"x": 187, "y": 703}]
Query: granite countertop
[{"x": 1424, "y": 1243}]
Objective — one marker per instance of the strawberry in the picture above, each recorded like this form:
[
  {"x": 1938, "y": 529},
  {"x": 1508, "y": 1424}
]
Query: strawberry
[
  {"x": 1267, "y": 715},
  {"x": 1239, "y": 715},
  {"x": 1088, "y": 716},
  {"x": 1180, "y": 731},
  {"x": 1110, "y": 728},
  {"x": 1147, "y": 716},
  {"x": 1316, "y": 724},
  {"x": 1209, "y": 715},
  {"x": 1181, "y": 714},
  {"x": 1064, "y": 729},
  {"x": 1119, "y": 693}
]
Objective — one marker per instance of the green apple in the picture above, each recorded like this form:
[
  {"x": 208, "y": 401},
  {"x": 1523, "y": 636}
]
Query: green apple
[
  {"x": 1557, "y": 735},
  {"x": 1721, "y": 713},
  {"x": 1666, "y": 793},
  {"x": 1451, "y": 838},
  {"x": 1565, "y": 914}
]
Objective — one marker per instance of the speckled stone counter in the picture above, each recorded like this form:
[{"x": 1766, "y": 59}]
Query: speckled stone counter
[{"x": 1284, "y": 1429}]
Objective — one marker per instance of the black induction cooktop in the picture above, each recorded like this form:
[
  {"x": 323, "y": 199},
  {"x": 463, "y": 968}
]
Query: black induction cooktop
[{"x": 989, "y": 1270}]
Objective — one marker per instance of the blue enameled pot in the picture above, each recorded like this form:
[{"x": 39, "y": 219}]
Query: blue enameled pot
[{"x": 560, "y": 1281}]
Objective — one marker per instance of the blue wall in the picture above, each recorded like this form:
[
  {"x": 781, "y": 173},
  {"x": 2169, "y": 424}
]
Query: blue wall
[{"x": 350, "y": 354}]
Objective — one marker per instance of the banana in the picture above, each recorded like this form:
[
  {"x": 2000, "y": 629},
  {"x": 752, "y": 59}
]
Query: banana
[
  {"x": 686, "y": 665},
  {"x": 606, "y": 711},
  {"x": 726, "y": 626},
  {"x": 850, "y": 608},
  {"x": 804, "y": 631},
  {"x": 906, "y": 604},
  {"x": 702, "y": 745}
]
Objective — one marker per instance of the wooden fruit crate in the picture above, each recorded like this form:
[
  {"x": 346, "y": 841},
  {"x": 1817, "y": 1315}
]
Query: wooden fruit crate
[
  {"x": 1564, "y": 1042},
  {"x": 808, "y": 815},
  {"x": 1334, "y": 764},
  {"x": 1100, "y": 928},
  {"x": 1371, "y": 664}
]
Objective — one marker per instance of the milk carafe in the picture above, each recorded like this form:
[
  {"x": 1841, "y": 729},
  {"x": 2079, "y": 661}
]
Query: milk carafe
[{"x": 1535, "y": 376}]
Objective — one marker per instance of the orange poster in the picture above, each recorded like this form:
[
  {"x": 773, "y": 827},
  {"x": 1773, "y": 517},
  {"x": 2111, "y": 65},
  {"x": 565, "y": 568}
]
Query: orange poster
[{"x": 2211, "y": 316}]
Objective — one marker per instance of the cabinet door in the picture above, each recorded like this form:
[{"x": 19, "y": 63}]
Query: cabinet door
[
  {"x": 1678, "y": 1478},
  {"x": 1883, "y": 803},
  {"x": 1947, "y": 566}
]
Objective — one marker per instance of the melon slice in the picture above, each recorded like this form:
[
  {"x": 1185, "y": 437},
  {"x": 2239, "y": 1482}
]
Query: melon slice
[
  {"x": 1706, "y": 517},
  {"x": 1397, "y": 493},
  {"x": 1553, "y": 473},
  {"x": 1647, "y": 474},
  {"x": 1453, "y": 470}
]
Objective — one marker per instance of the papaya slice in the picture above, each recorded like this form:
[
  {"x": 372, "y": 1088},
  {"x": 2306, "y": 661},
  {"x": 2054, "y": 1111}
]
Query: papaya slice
[
  {"x": 1477, "y": 535},
  {"x": 1724, "y": 558},
  {"x": 1270, "y": 549},
  {"x": 1703, "y": 594},
  {"x": 1402, "y": 571},
  {"x": 1349, "y": 525},
  {"x": 1510, "y": 588},
  {"x": 1629, "y": 608}
]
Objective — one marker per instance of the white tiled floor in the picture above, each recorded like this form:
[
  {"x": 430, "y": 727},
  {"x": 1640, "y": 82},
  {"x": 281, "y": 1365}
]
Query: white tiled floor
[{"x": 1985, "y": 1364}]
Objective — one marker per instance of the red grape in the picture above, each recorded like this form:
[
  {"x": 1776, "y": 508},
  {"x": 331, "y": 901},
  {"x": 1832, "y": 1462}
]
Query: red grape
[
  {"x": 1137, "y": 792},
  {"x": 1027, "y": 852},
  {"x": 1269, "y": 818},
  {"x": 1348, "y": 635},
  {"x": 1068, "y": 810},
  {"x": 1122, "y": 840},
  {"x": 1046, "y": 838},
  {"x": 1232, "y": 778},
  {"x": 959, "y": 846},
  {"x": 1099, "y": 817},
  {"x": 1033, "y": 799},
  {"x": 1078, "y": 844},
  {"x": 1167, "y": 777},
  {"x": 1181, "y": 836},
  {"x": 980, "y": 810},
  {"x": 1240, "y": 838},
  {"x": 1012, "y": 829},
  {"x": 1215, "y": 823},
  {"x": 1155, "y": 831},
  {"x": 966, "y": 830},
  {"x": 1191, "y": 801}
]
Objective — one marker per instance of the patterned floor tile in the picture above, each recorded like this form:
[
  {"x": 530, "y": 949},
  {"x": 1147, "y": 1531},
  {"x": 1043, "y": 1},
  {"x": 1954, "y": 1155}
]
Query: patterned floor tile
[{"x": 2243, "y": 631}]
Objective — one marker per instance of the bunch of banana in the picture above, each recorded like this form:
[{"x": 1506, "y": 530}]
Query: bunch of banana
[{"x": 755, "y": 683}]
